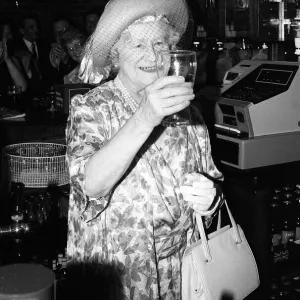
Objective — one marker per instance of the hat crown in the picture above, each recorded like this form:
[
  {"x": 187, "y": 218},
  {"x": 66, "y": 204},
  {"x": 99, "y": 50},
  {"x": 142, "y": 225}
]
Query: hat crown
[{"x": 119, "y": 14}]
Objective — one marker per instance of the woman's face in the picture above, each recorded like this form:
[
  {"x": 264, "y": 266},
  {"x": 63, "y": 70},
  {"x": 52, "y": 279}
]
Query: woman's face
[
  {"x": 75, "y": 50},
  {"x": 137, "y": 52}
]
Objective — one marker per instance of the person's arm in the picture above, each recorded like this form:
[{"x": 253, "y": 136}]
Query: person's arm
[
  {"x": 15, "y": 73},
  {"x": 105, "y": 167}
]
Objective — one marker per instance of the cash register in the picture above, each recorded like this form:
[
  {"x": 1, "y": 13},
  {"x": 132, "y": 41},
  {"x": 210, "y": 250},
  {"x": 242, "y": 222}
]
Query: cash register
[{"x": 257, "y": 117}]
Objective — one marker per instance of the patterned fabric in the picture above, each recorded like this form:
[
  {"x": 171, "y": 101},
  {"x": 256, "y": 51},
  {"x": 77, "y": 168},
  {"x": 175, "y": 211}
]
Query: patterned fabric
[{"x": 140, "y": 229}]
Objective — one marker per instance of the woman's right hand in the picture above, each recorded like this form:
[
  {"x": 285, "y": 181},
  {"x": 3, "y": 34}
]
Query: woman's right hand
[{"x": 165, "y": 96}]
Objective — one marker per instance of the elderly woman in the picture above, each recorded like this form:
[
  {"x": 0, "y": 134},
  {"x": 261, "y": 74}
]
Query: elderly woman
[{"x": 134, "y": 183}]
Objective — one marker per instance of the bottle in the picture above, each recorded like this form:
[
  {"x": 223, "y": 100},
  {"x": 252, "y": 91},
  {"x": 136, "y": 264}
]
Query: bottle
[
  {"x": 273, "y": 290},
  {"x": 223, "y": 63},
  {"x": 53, "y": 199},
  {"x": 277, "y": 192},
  {"x": 260, "y": 53},
  {"x": 243, "y": 44},
  {"x": 287, "y": 203},
  {"x": 276, "y": 234},
  {"x": 288, "y": 232},
  {"x": 61, "y": 280},
  {"x": 275, "y": 207},
  {"x": 59, "y": 262},
  {"x": 286, "y": 289},
  {"x": 295, "y": 288},
  {"x": 201, "y": 37},
  {"x": 25, "y": 208},
  {"x": 297, "y": 191},
  {"x": 17, "y": 214},
  {"x": 14, "y": 96},
  {"x": 54, "y": 221},
  {"x": 63, "y": 272},
  {"x": 51, "y": 100},
  {"x": 288, "y": 228},
  {"x": 31, "y": 213},
  {"x": 297, "y": 229},
  {"x": 54, "y": 267},
  {"x": 287, "y": 189},
  {"x": 40, "y": 214},
  {"x": 201, "y": 32},
  {"x": 196, "y": 46}
]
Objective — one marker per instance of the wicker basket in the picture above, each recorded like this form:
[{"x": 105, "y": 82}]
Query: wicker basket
[{"x": 37, "y": 165}]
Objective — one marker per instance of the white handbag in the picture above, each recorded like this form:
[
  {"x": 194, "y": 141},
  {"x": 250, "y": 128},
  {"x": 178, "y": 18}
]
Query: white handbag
[{"x": 220, "y": 266}]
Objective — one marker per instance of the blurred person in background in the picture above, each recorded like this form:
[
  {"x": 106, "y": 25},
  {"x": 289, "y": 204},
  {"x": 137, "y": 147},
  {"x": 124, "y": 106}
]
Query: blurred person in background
[
  {"x": 58, "y": 56},
  {"x": 32, "y": 52},
  {"x": 61, "y": 62},
  {"x": 91, "y": 19},
  {"x": 10, "y": 71},
  {"x": 72, "y": 41}
]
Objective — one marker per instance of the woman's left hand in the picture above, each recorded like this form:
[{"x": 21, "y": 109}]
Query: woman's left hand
[{"x": 199, "y": 190}]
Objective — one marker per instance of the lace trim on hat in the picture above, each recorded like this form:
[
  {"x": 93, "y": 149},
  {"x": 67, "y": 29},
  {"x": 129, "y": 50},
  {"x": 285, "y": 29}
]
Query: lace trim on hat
[
  {"x": 150, "y": 19},
  {"x": 146, "y": 19},
  {"x": 89, "y": 73}
]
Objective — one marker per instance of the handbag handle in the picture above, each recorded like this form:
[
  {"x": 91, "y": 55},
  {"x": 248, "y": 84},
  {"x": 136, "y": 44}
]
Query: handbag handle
[{"x": 203, "y": 235}]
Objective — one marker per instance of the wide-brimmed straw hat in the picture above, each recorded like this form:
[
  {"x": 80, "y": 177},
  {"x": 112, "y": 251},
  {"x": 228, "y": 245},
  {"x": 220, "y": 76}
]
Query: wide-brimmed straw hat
[{"x": 119, "y": 14}]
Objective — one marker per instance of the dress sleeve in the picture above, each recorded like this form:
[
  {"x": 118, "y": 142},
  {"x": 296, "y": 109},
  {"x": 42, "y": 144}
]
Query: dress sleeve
[
  {"x": 85, "y": 133},
  {"x": 207, "y": 160},
  {"x": 212, "y": 171},
  {"x": 209, "y": 168}
]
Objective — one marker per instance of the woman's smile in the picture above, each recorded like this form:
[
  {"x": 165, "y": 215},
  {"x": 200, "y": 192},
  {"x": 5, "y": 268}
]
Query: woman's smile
[{"x": 148, "y": 69}]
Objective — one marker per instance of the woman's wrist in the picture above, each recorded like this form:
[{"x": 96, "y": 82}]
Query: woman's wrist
[
  {"x": 146, "y": 119},
  {"x": 143, "y": 121}
]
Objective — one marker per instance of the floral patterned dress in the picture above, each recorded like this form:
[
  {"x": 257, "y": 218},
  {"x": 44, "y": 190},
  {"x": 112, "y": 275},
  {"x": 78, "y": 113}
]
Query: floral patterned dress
[{"x": 141, "y": 227}]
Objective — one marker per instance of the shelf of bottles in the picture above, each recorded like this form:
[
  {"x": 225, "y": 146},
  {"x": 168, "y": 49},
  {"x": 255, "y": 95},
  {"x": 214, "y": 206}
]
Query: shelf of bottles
[
  {"x": 217, "y": 55},
  {"x": 285, "y": 242}
]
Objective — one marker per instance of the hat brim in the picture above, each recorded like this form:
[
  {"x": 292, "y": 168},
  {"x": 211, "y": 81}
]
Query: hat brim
[{"x": 119, "y": 14}]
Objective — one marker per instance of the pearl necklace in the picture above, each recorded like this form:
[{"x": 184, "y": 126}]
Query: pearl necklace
[
  {"x": 133, "y": 106},
  {"x": 127, "y": 98}
]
